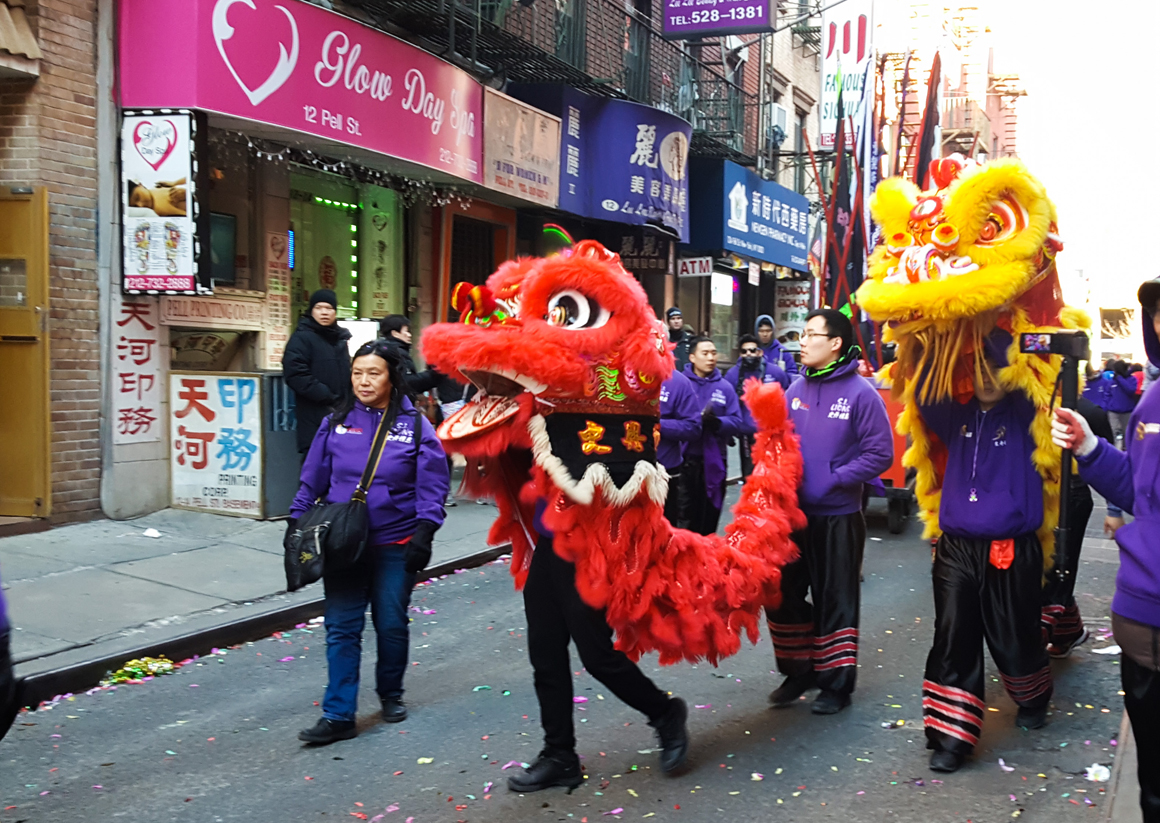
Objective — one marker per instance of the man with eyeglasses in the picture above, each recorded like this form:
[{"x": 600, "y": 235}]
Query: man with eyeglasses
[
  {"x": 751, "y": 364},
  {"x": 704, "y": 468},
  {"x": 846, "y": 442}
]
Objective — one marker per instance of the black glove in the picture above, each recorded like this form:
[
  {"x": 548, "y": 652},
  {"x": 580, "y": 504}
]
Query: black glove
[
  {"x": 418, "y": 551},
  {"x": 710, "y": 422},
  {"x": 291, "y": 526}
]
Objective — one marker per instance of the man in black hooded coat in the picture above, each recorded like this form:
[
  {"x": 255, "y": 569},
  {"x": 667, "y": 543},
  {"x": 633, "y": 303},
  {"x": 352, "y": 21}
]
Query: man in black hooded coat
[{"x": 316, "y": 365}]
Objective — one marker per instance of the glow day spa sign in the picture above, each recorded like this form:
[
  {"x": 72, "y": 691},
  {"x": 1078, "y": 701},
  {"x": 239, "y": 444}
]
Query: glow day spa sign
[{"x": 294, "y": 65}]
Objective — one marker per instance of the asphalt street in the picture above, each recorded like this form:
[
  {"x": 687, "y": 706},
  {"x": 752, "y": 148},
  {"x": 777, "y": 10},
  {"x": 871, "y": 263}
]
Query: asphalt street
[{"x": 216, "y": 741}]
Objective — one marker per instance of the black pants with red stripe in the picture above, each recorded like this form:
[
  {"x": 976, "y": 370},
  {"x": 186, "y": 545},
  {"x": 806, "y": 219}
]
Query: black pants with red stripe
[
  {"x": 1060, "y": 618},
  {"x": 976, "y": 601},
  {"x": 821, "y": 639}
]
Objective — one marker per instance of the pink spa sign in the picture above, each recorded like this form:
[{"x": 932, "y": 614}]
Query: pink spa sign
[{"x": 291, "y": 64}]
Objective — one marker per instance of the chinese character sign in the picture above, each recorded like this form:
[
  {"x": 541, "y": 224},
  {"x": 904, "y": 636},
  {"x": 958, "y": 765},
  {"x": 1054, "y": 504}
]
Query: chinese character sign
[
  {"x": 521, "y": 149},
  {"x": 216, "y": 431},
  {"x": 277, "y": 307},
  {"x": 847, "y": 49},
  {"x": 137, "y": 377},
  {"x": 793, "y": 304},
  {"x": 158, "y": 203}
]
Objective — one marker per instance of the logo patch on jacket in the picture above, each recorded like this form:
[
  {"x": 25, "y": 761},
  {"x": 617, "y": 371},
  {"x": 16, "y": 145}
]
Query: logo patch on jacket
[
  {"x": 798, "y": 403},
  {"x": 840, "y": 410},
  {"x": 401, "y": 433},
  {"x": 719, "y": 397},
  {"x": 342, "y": 428},
  {"x": 1143, "y": 428}
]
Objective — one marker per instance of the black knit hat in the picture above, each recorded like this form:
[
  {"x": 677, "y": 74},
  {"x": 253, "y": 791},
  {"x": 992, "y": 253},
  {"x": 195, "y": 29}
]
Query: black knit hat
[
  {"x": 323, "y": 296},
  {"x": 669, "y": 314}
]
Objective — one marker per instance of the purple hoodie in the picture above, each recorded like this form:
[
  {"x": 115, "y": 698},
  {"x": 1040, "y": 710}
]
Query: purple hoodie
[
  {"x": 714, "y": 391},
  {"x": 680, "y": 420},
  {"x": 1131, "y": 480},
  {"x": 991, "y": 489},
  {"x": 404, "y": 489},
  {"x": 767, "y": 372},
  {"x": 1112, "y": 393},
  {"x": 774, "y": 351},
  {"x": 845, "y": 438}
]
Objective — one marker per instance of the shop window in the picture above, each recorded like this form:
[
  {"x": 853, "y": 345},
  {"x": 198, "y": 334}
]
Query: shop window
[{"x": 472, "y": 251}]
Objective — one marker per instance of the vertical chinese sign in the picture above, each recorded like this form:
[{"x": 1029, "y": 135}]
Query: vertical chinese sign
[
  {"x": 136, "y": 370},
  {"x": 215, "y": 426},
  {"x": 159, "y": 203},
  {"x": 277, "y": 319}
]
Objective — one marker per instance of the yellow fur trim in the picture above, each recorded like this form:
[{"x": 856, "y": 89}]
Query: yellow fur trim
[{"x": 892, "y": 201}]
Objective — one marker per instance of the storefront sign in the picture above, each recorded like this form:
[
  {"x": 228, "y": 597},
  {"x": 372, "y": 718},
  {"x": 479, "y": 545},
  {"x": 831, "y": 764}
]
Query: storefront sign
[
  {"x": 694, "y": 267},
  {"x": 215, "y": 426},
  {"x": 793, "y": 304},
  {"x": 710, "y": 18},
  {"x": 521, "y": 149},
  {"x": 278, "y": 314},
  {"x": 381, "y": 261},
  {"x": 739, "y": 212},
  {"x": 136, "y": 370},
  {"x": 292, "y": 64},
  {"x": 159, "y": 203},
  {"x": 619, "y": 161},
  {"x": 233, "y": 313},
  {"x": 643, "y": 252},
  {"x": 754, "y": 274},
  {"x": 847, "y": 49},
  {"x": 721, "y": 288}
]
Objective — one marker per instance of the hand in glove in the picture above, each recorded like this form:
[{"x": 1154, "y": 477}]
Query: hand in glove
[
  {"x": 710, "y": 422},
  {"x": 1069, "y": 430},
  {"x": 418, "y": 550},
  {"x": 291, "y": 527}
]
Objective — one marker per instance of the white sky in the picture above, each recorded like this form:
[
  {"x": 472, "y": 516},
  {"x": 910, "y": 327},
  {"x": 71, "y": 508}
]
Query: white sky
[{"x": 1088, "y": 129}]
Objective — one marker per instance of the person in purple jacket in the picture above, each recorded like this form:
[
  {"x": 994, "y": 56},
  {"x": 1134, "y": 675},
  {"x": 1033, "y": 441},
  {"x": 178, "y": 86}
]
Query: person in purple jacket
[
  {"x": 1131, "y": 480},
  {"x": 705, "y": 460},
  {"x": 772, "y": 348},
  {"x": 988, "y": 564},
  {"x": 751, "y": 363},
  {"x": 405, "y": 509},
  {"x": 846, "y": 442},
  {"x": 680, "y": 425},
  {"x": 1119, "y": 393},
  {"x": 11, "y": 689}
]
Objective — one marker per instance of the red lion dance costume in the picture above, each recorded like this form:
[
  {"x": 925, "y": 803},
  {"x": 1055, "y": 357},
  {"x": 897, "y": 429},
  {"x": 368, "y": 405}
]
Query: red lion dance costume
[{"x": 569, "y": 362}]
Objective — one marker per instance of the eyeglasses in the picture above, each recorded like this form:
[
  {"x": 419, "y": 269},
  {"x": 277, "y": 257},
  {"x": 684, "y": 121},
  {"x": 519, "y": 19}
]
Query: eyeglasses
[
  {"x": 750, "y": 351},
  {"x": 812, "y": 334}
]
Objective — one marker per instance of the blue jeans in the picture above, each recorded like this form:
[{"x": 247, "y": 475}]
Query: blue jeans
[{"x": 379, "y": 579}]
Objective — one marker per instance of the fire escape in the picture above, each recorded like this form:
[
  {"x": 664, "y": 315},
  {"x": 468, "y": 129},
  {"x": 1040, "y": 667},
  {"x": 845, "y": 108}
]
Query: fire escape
[{"x": 602, "y": 47}]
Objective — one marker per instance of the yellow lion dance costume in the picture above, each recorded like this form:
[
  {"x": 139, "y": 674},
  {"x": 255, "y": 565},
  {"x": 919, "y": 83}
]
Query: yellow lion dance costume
[{"x": 975, "y": 253}]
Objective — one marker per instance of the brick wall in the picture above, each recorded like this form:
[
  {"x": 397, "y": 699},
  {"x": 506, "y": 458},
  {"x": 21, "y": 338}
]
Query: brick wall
[{"x": 48, "y": 138}]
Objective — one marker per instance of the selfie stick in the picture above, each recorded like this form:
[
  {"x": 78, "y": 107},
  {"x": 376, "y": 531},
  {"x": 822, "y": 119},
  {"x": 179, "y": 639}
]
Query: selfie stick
[{"x": 1069, "y": 391}]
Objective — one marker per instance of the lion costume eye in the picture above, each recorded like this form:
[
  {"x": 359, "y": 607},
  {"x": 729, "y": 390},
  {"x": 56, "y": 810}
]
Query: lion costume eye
[
  {"x": 573, "y": 310},
  {"x": 1007, "y": 218}
]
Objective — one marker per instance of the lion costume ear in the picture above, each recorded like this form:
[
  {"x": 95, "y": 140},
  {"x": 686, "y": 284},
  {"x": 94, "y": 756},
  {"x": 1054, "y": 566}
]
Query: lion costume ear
[
  {"x": 891, "y": 204},
  {"x": 1001, "y": 211}
]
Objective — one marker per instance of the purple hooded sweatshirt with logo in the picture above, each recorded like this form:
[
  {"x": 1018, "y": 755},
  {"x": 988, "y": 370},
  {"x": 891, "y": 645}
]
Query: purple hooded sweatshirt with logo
[
  {"x": 991, "y": 489},
  {"x": 714, "y": 391},
  {"x": 1131, "y": 480},
  {"x": 680, "y": 420},
  {"x": 405, "y": 488},
  {"x": 845, "y": 438}
]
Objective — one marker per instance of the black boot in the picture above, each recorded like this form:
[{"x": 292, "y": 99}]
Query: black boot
[
  {"x": 673, "y": 736},
  {"x": 790, "y": 690},
  {"x": 394, "y": 710},
  {"x": 1031, "y": 718},
  {"x": 944, "y": 761},
  {"x": 549, "y": 769},
  {"x": 11, "y": 689},
  {"x": 327, "y": 731},
  {"x": 830, "y": 702}
]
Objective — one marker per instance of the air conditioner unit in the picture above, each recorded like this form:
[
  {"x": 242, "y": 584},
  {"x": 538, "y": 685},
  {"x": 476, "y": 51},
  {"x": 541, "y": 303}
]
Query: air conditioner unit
[{"x": 777, "y": 124}]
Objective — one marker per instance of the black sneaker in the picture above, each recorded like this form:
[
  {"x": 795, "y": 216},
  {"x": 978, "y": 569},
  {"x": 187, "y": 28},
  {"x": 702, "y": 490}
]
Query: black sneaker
[
  {"x": 1031, "y": 718},
  {"x": 673, "y": 735},
  {"x": 828, "y": 702},
  {"x": 394, "y": 710},
  {"x": 550, "y": 769},
  {"x": 1061, "y": 651},
  {"x": 790, "y": 690},
  {"x": 944, "y": 761},
  {"x": 10, "y": 706},
  {"x": 327, "y": 731}
]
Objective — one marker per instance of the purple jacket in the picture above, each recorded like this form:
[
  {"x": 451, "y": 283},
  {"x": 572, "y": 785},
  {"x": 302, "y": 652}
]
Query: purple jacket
[
  {"x": 768, "y": 372},
  {"x": 1131, "y": 480},
  {"x": 991, "y": 489},
  {"x": 680, "y": 420},
  {"x": 774, "y": 352},
  {"x": 1112, "y": 393},
  {"x": 845, "y": 438},
  {"x": 714, "y": 391},
  {"x": 405, "y": 488}
]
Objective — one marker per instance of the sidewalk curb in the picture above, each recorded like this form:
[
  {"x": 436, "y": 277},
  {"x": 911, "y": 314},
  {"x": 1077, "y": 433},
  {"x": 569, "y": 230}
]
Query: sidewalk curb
[
  {"x": 81, "y": 676},
  {"x": 1123, "y": 804}
]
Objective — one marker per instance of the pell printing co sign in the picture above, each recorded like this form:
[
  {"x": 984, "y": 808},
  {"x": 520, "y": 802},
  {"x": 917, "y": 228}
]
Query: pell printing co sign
[
  {"x": 687, "y": 19},
  {"x": 295, "y": 65}
]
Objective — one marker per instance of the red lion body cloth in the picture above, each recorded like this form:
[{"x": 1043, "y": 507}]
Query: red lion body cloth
[{"x": 569, "y": 362}]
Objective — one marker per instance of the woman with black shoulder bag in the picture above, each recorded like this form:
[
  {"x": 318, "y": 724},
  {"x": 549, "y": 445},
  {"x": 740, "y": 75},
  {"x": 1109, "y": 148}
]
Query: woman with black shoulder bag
[{"x": 376, "y": 435}]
